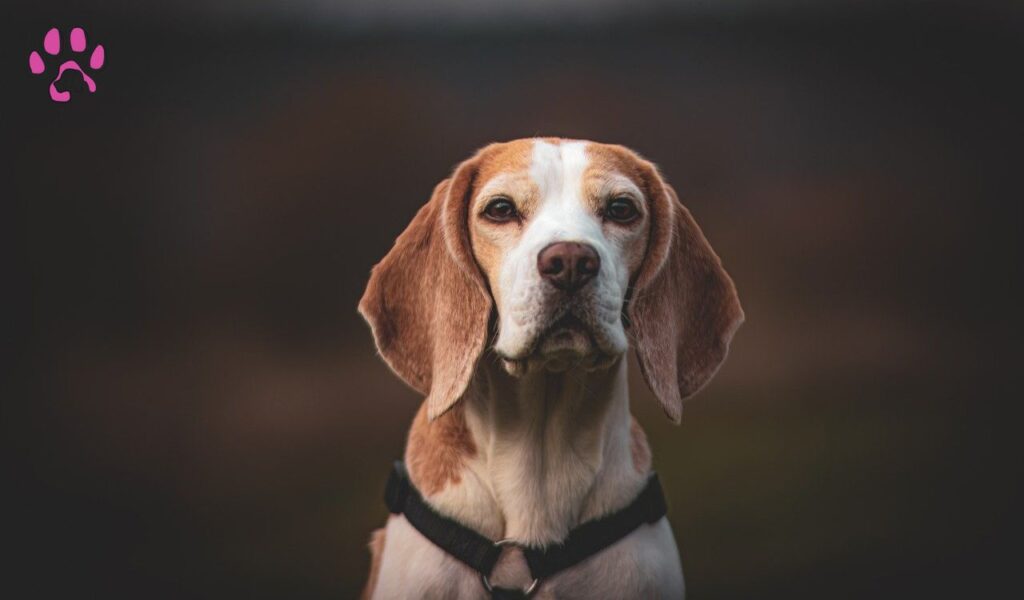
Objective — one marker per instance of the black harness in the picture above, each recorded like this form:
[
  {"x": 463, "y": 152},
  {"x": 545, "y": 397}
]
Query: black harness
[{"x": 481, "y": 554}]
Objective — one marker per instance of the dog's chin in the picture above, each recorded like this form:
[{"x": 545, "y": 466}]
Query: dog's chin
[{"x": 566, "y": 344}]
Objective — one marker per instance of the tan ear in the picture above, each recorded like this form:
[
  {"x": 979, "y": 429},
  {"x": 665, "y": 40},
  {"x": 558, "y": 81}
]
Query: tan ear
[
  {"x": 684, "y": 308},
  {"x": 427, "y": 303}
]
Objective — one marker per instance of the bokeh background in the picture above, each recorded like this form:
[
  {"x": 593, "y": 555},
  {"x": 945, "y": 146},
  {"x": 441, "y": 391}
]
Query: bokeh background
[{"x": 195, "y": 410}]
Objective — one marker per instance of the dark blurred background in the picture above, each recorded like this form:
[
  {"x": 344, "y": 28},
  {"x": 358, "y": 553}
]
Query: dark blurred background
[{"x": 195, "y": 410}]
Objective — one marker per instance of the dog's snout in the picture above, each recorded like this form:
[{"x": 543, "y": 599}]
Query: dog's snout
[{"x": 568, "y": 265}]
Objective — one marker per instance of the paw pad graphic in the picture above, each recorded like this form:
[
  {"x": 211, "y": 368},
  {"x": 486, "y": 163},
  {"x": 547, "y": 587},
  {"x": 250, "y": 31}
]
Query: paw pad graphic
[{"x": 51, "y": 44}]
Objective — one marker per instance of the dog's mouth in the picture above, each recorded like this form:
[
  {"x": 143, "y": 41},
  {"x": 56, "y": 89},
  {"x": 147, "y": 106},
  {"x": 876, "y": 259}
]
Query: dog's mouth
[
  {"x": 568, "y": 342},
  {"x": 567, "y": 335}
]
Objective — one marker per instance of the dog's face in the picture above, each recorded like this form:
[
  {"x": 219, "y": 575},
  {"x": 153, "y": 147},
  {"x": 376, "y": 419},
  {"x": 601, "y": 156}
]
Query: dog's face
[
  {"x": 576, "y": 248},
  {"x": 559, "y": 231}
]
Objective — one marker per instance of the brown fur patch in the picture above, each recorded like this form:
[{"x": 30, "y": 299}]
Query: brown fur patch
[
  {"x": 507, "y": 157},
  {"x": 685, "y": 308},
  {"x": 427, "y": 303},
  {"x": 605, "y": 161},
  {"x": 376, "y": 551},
  {"x": 639, "y": 448},
  {"x": 437, "y": 449},
  {"x": 511, "y": 163}
]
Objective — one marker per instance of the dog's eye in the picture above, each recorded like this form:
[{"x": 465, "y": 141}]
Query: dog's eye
[
  {"x": 621, "y": 210},
  {"x": 500, "y": 210}
]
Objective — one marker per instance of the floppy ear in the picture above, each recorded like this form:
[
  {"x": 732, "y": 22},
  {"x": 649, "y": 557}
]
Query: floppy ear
[
  {"x": 684, "y": 309},
  {"x": 427, "y": 303}
]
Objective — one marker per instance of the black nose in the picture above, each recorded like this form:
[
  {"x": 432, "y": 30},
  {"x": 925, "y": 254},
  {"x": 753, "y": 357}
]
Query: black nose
[{"x": 568, "y": 265}]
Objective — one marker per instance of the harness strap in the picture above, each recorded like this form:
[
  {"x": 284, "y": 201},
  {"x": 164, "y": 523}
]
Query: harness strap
[
  {"x": 594, "y": 536},
  {"x": 461, "y": 542},
  {"x": 481, "y": 553}
]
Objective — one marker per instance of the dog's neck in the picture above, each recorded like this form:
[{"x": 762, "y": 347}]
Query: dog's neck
[{"x": 531, "y": 457}]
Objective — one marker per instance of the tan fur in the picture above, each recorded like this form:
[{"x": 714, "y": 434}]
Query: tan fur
[
  {"x": 438, "y": 449},
  {"x": 426, "y": 301},
  {"x": 511, "y": 162},
  {"x": 639, "y": 448},
  {"x": 685, "y": 308},
  {"x": 508, "y": 157},
  {"x": 610, "y": 158},
  {"x": 376, "y": 551},
  {"x": 541, "y": 457}
]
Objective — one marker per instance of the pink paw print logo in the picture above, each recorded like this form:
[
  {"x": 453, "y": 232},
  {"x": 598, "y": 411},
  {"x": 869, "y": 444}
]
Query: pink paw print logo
[{"x": 51, "y": 44}]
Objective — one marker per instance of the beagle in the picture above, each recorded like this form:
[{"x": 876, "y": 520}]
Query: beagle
[{"x": 510, "y": 301}]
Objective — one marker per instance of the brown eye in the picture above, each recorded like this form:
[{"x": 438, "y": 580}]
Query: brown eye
[
  {"x": 621, "y": 210},
  {"x": 500, "y": 210}
]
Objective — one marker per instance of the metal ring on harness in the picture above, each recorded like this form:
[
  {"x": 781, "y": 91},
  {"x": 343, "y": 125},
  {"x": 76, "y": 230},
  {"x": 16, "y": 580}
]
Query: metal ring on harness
[{"x": 528, "y": 590}]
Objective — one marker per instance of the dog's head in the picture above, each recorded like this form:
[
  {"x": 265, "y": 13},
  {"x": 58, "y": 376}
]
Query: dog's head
[{"x": 576, "y": 248}]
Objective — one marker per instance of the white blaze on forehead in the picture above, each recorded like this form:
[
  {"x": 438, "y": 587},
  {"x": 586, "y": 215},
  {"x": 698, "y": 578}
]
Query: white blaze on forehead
[
  {"x": 562, "y": 214},
  {"x": 558, "y": 169}
]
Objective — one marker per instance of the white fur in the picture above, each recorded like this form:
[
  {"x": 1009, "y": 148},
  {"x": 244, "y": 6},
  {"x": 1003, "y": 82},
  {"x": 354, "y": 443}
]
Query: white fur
[
  {"x": 525, "y": 300},
  {"x": 551, "y": 453},
  {"x": 553, "y": 450}
]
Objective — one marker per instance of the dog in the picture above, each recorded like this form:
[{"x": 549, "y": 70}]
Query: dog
[{"x": 510, "y": 302}]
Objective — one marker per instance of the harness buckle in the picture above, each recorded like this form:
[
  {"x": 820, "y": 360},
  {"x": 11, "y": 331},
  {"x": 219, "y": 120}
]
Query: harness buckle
[{"x": 528, "y": 590}]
